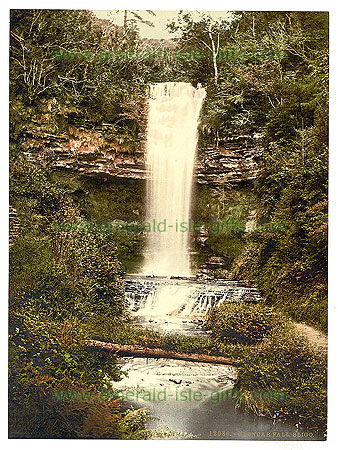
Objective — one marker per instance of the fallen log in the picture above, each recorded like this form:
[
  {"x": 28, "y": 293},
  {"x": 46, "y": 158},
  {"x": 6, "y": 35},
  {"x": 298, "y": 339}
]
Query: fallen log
[{"x": 135, "y": 350}]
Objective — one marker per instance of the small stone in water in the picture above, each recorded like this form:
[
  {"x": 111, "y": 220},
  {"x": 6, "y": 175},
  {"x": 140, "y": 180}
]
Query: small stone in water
[{"x": 174, "y": 381}]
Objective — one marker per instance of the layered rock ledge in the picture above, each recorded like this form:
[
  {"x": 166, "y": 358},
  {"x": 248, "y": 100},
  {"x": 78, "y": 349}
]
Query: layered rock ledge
[{"x": 233, "y": 161}]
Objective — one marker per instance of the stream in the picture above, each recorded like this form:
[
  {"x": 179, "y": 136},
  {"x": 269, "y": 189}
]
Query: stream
[
  {"x": 197, "y": 400},
  {"x": 193, "y": 398}
]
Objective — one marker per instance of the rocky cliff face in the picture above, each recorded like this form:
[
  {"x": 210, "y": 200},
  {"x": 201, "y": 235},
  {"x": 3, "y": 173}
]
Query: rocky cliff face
[
  {"x": 233, "y": 161},
  {"x": 87, "y": 153}
]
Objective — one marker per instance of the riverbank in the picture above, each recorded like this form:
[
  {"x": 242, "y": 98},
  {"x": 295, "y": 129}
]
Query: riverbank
[
  {"x": 282, "y": 360},
  {"x": 197, "y": 399}
]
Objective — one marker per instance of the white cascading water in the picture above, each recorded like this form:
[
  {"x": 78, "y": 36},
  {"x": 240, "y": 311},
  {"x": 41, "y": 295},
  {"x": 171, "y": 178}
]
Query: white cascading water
[
  {"x": 169, "y": 300},
  {"x": 184, "y": 298},
  {"x": 174, "y": 110}
]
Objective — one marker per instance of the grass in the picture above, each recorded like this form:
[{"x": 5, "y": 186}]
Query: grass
[
  {"x": 286, "y": 362},
  {"x": 120, "y": 332}
]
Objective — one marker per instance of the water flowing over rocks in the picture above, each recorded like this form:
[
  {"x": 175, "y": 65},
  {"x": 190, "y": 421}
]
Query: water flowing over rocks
[
  {"x": 183, "y": 296},
  {"x": 192, "y": 397},
  {"x": 175, "y": 374}
]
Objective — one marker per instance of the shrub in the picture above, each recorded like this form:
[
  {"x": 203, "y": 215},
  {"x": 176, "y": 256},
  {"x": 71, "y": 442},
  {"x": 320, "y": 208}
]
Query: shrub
[
  {"x": 64, "y": 274},
  {"x": 242, "y": 323},
  {"x": 285, "y": 362},
  {"x": 46, "y": 358}
]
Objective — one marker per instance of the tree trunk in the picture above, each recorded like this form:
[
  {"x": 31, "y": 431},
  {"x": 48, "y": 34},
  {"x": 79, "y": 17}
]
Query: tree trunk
[
  {"x": 214, "y": 55},
  {"x": 134, "y": 350}
]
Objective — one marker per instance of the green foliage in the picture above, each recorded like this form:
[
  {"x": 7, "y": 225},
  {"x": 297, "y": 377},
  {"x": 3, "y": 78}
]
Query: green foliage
[
  {"x": 45, "y": 357},
  {"x": 69, "y": 284},
  {"x": 286, "y": 363},
  {"x": 32, "y": 190},
  {"x": 57, "y": 281},
  {"x": 286, "y": 100},
  {"x": 277, "y": 360},
  {"x": 218, "y": 203},
  {"x": 290, "y": 268},
  {"x": 133, "y": 424},
  {"x": 223, "y": 211},
  {"x": 75, "y": 274},
  {"x": 101, "y": 200},
  {"x": 86, "y": 91},
  {"x": 62, "y": 272},
  {"x": 104, "y": 203},
  {"x": 122, "y": 332},
  {"x": 243, "y": 324}
]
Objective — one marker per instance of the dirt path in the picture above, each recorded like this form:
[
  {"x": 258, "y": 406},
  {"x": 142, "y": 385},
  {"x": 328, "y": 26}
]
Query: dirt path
[{"x": 315, "y": 337}]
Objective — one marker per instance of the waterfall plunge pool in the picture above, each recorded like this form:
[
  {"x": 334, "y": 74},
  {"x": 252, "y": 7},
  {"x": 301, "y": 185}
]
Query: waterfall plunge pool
[
  {"x": 196, "y": 399},
  {"x": 196, "y": 402}
]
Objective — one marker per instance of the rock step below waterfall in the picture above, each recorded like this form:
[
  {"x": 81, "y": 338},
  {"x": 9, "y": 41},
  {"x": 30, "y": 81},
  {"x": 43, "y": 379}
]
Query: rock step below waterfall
[{"x": 183, "y": 297}]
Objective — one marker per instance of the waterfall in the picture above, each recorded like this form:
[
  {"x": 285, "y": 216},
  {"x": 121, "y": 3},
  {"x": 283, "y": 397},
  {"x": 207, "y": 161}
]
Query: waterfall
[{"x": 174, "y": 110}]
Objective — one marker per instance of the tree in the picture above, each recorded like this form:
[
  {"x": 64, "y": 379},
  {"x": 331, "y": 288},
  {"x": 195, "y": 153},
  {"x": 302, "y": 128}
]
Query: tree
[{"x": 206, "y": 33}]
